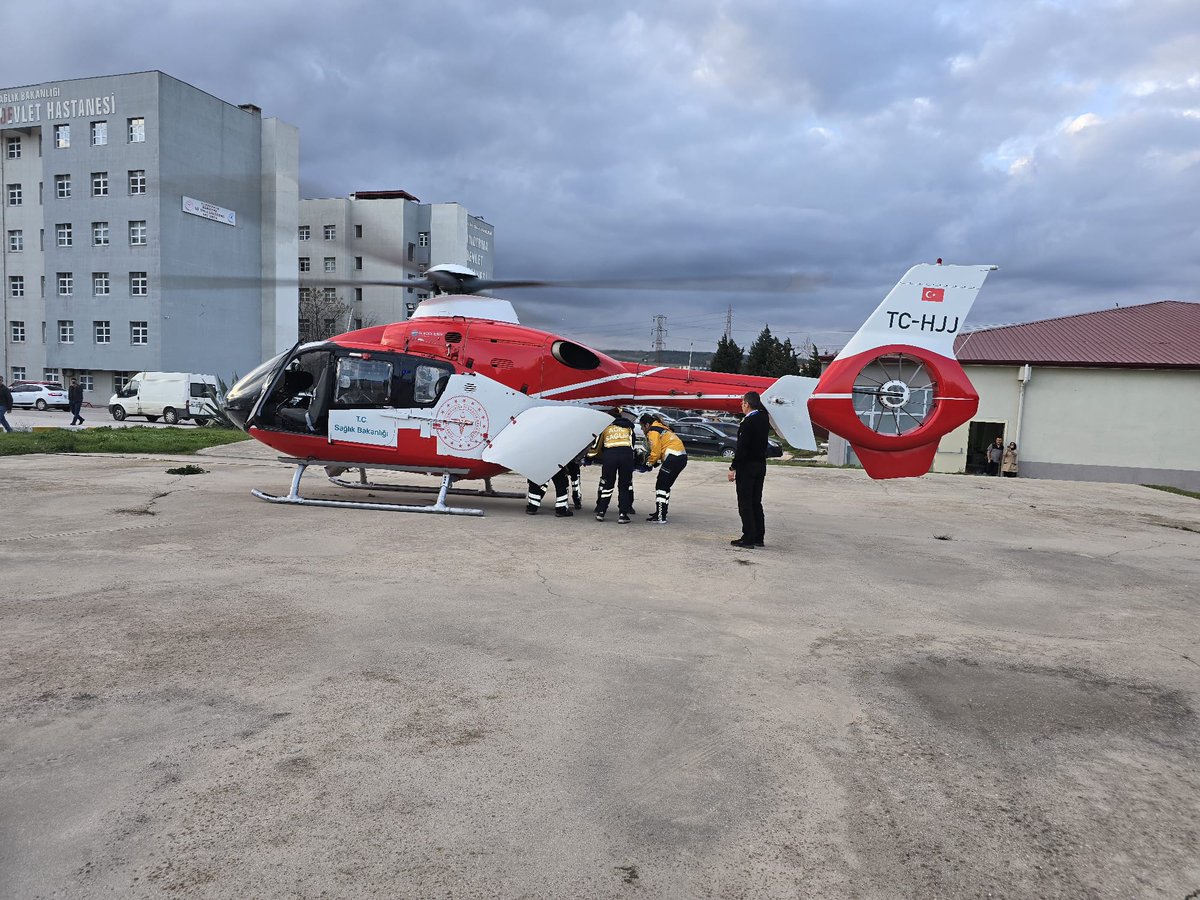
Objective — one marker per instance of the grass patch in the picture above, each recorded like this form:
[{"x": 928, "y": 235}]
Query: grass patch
[
  {"x": 187, "y": 470},
  {"x": 117, "y": 440},
  {"x": 1174, "y": 490}
]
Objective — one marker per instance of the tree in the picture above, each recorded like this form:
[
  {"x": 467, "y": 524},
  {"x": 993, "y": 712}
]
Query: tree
[
  {"x": 728, "y": 357},
  {"x": 322, "y": 313},
  {"x": 765, "y": 353},
  {"x": 812, "y": 365},
  {"x": 789, "y": 363}
]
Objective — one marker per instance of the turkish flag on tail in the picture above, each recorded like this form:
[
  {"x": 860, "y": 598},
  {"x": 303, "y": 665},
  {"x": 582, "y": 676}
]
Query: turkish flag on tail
[{"x": 933, "y": 295}]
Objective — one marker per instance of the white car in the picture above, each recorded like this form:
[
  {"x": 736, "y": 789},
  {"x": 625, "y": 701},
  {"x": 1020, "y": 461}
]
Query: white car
[{"x": 39, "y": 394}]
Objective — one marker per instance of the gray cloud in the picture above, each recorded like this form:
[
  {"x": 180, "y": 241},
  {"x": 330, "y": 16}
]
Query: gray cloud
[{"x": 1056, "y": 139}]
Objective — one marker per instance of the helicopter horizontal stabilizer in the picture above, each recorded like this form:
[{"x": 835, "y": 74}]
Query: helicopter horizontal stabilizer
[
  {"x": 786, "y": 402},
  {"x": 543, "y": 439}
]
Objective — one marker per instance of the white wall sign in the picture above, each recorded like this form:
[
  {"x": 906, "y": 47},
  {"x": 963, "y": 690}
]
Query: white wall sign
[
  {"x": 208, "y": 211},
  {"x": 362, "y": 426}
]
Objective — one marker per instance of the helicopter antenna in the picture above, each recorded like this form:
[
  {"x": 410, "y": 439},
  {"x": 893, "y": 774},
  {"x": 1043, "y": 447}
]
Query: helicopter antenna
[{"x": 659, "y": 334}]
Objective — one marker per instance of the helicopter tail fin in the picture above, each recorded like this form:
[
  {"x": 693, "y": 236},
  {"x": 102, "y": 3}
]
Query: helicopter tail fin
[{"x": 896, "y": 388}]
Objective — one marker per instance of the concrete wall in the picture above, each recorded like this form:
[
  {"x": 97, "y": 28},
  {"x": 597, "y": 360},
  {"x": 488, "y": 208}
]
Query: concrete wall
[{"x": 1118, "y": 425}]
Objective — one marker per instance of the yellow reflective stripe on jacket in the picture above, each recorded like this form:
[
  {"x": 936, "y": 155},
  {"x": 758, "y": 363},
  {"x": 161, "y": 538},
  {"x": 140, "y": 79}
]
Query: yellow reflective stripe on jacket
[{"x": 616, "y": 436}]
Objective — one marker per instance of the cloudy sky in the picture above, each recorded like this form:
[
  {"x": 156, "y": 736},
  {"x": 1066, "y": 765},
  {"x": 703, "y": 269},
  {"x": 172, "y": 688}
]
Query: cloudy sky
[{"x": 844, "y": 139}]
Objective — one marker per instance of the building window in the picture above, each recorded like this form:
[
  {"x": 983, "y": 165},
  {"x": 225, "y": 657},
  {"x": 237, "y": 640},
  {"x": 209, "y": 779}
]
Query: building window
[
  {"x": 120, "y": 379},
  {"x": 18, "y": 373},
  {"x": 99, "y": 134},
  {"x": 16, "y": 285},
  {"x": 66, "y": 284},
  {"x": 137, "y": 130},
  {"x": 62, "y": 136},
  {"x": 101, "y": 285},
  {"x": 331, "y": 232},
  {"x": 14, "y": 195},
  {"x": 99, "y": 184},
  {"x": 51, "y": 375},
  {"x": 62, "y": 186},
  {"x": 137, "y": 181},
  {"x": 358, "y": 295},
  {"x": 103, "y": 332},
  {"x": 66, "y": 331},
  {"x": 304, "y": 232},
  {"x": 99, "y": 234},
  {"x": 16, "y": 241},
  {"x": 139, "y": 333},
  {"x": 14, "y": 147},
  {"x": 305, "y": 264},
  {"x": 66, "y": 235},
  {"x": 18, "y": 332},
  {"x": 330, "y": 264},
  {"x": 137, "y": 233},
  {"x": 423, "y": 238},
  {"x": 330, "y": 294},
  {"x": 358, "y": 231},
  {"x": 358, "y": 263},
  {"x": 139, "y": 284},
  {"x": 86, "y": 380}
]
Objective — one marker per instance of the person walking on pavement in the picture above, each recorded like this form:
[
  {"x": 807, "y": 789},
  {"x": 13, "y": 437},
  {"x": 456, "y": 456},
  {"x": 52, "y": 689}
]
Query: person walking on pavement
[
  {"x": 6, "y": 402},
  {"x": 614, "y": 448},
  {"x": 666, "y": 449},
  {"x": 75, "y": 400},
  {"x": 749, "y": 470},
  {"x": 562, "y": 496}
]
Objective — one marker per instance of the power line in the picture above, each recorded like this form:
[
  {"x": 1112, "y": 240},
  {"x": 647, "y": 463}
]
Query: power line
[{"x": 659, "y": 334}]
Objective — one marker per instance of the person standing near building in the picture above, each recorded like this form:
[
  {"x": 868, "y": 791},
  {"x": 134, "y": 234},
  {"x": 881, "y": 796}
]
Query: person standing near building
[
  {"x": 749, "y": 470},
  {"x": 1008, "y": 463},
  {"x": 75, "y": 401},
  {"x": 995, "y": 454},
  {"x": 614, "y": 448},
  {"x": 666, "y": 449},
  {"x": 5, "y": 404}
]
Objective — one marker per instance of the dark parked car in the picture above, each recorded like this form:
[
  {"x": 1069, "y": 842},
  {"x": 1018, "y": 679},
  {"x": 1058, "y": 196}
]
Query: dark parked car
[{"x": 714, "y": 439}]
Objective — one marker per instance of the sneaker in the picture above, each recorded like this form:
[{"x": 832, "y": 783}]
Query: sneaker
[
  {"x": 531, "y": 510},
  {"x": 658, "y": 521},
  {"x": 562, "y": 512},
  {"x": 759, "y": 544},
  {"x": 599, "y": 517},
  {"x": 741, "y": 542},
  {"x": 623, "y": 519},
  {"x": 653, "y": 517}
]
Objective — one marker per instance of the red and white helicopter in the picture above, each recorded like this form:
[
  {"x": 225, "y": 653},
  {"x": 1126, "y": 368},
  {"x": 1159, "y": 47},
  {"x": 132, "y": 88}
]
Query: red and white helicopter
[{"x": 463, "y": 390}]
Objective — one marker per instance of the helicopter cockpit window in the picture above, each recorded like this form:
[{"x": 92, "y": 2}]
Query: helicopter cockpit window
[{"x": 363, "y": 382}]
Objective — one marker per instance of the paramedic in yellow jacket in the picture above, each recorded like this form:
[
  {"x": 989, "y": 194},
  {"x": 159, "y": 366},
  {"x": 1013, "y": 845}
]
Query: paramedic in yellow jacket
[
  {"x": 666, "y": 449},
  {"x": 614, "y": 448}
]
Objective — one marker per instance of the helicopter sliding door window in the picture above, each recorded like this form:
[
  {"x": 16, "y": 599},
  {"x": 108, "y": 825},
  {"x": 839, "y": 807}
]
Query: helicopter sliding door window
[
  {"x": 363, "y": 382},
  {"x": 418, "y": 382}
]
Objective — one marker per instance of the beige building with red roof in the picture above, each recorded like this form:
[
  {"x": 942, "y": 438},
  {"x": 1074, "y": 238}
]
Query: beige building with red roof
[{"x": 1111, "y": 395}]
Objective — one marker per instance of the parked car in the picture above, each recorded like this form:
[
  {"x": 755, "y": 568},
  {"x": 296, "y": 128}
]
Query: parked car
[
  {"x": 39, "y": 394},
  {"x": 702, "y": 435}
]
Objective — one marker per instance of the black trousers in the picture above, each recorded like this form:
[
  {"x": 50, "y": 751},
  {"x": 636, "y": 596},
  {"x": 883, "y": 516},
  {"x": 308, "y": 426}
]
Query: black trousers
[
  {"x": 616, "y": 466},
  {"x": 561, "y": 491},
  {"x": 667, "y": 473},
  {"x": 750, "y": 477},
  {"x": 75, "y": 409}
]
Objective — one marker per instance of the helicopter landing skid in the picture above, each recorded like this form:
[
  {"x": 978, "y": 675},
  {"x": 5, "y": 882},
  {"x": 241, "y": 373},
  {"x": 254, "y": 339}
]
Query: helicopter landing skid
[
  {"x": 293, "y": 497},
  {"x": 362, "y": 484}
]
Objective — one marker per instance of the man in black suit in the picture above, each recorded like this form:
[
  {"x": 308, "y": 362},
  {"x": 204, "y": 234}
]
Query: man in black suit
[{"x": 749, "y": 469}]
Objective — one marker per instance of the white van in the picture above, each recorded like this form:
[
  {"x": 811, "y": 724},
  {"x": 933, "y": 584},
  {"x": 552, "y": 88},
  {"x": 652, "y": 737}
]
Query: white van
[{"x": 171, "y": 396}]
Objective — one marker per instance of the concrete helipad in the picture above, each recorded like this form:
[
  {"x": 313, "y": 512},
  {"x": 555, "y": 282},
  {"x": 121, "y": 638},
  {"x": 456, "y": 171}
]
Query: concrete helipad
[{"x": 949, "y": 686}]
